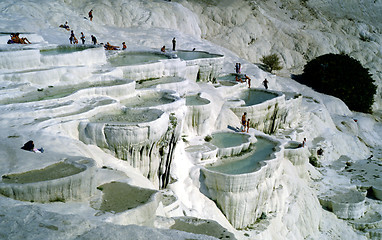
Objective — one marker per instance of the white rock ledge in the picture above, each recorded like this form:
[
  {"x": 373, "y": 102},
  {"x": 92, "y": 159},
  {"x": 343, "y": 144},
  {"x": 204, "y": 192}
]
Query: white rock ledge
[
  {"x": 346, "y": 205},
  {"x": 244, "y": 197},
  {"x": 71, "y": 179},
  {"x": 298, "y": 156},
  {"x": 137, "y": 136},
  {"x": 210, "y": 65},
  {"x": 198, "y": 118},
  {"x": 128, "y": 204},
  {"x": 242, "y": 143}
]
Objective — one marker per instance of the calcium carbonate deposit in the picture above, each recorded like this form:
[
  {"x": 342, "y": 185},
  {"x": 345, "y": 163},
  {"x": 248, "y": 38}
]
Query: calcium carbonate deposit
[{"x": 146, "y": 141}]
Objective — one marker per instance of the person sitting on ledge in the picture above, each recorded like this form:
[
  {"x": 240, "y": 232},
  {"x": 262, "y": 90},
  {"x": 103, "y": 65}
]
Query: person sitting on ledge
[
  {"x": 29, "y": 146},
  {"x": 66, "y": 26},
  {"x": 303, "y": 143},
  {"x": 110, "y": 47},
  {"x": 15, "y": 38}
]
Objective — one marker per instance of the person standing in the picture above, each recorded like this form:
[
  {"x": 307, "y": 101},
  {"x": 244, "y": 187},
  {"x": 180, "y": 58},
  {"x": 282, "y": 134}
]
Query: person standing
[
  {"x": 91, "y": 15},
  {"x": 173, "y": 43},
  {"x": 244, "y": 122},
  {"x": 83, "y": 38},
  {"x": 265, "y": 83},
  {"x": 94, "y": 39},
  {"x": 248, "y": 80},
  {"x": 72, "y": 37},
  {"x": 248, "y": 124}
]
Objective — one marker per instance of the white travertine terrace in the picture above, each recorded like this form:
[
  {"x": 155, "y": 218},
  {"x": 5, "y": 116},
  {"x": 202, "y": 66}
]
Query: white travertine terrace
[
  {"x": 209, "y": 67},
  {"x": 231, "y": 143},
  {"x": 346, "y": 205},
  {"x": 129, "y": 204},
  {"x": 247, "y": 193},
  {"x": 205, "y": 69},
  {"x": 54, "y": 93},
  {"x": 137, "y": 136},
  {"x": 67, "y": 180},
  {"x": 198, "y": 117},
  {"x": 298, "y": 156},
  {"x": 270, "y": 114}
]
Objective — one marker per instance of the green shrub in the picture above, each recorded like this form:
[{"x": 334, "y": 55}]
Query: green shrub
[
  {"x": 272, "y": 62},
  {"x": 341, "y": 76},
  {"x": 208, "y": 138}
]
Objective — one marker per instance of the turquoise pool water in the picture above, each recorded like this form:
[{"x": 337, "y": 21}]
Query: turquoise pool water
[
  {"x": 135, "y": 58},
  {"x": 253, "y": 96},
  {"x": 131, "y": 116},
  {"x": 191, "y": 55},
  {"x": 153, "y": 82},
  {"x": 148, "y": 100},
  {"x": 227, "y": 139},
  {"x": 196, "y": 100},
  {"x": 63, "y": 50},
  {"x": 247, "y": 163}
]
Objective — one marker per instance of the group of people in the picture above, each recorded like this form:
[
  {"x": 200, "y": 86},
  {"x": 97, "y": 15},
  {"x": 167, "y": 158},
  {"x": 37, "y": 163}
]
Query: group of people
[
  {"x": 245, "y": 123},
  {"x": 74, "y": 40},
  {"x": 239, "y": 77},
  {"x": 245, "y": 79},
  {"x": 163, "y": 49},
  {"x": 15, "y": 38}
]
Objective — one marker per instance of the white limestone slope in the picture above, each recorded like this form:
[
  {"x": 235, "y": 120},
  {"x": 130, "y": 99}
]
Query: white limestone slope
[
  {"x": 287, "y": 196},
  {"x": 296, "y": 30}
]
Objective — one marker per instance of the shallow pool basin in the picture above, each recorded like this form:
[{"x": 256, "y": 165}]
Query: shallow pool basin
[
  {"x": 191, "y": 55},
  {"x": 127, "y": 204},
  {"x": 135, "y": 58},
  {"x": 230, "y": 143},
  {"x": 64, "y": 49},
  {"x": 247, "y": 163},
  {"x": 255, "y": 96},
  {"x": 196, "y": 100},
  {"x": 71, "y": 179}
]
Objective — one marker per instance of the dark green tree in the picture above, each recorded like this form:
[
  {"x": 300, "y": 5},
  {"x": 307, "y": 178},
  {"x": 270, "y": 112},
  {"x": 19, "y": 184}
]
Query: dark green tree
[
  {"x": 272, "y": 62},
  {"x": 341, "y": 76}
]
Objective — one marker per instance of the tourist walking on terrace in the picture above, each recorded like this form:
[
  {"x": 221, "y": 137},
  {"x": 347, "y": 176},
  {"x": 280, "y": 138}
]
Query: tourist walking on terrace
[
  {"x": 91, "y": 15},
  {"x": 173, "y": 43},
  {"x": 248, "y": 124},
  {"x": 265, "y": 83}
]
